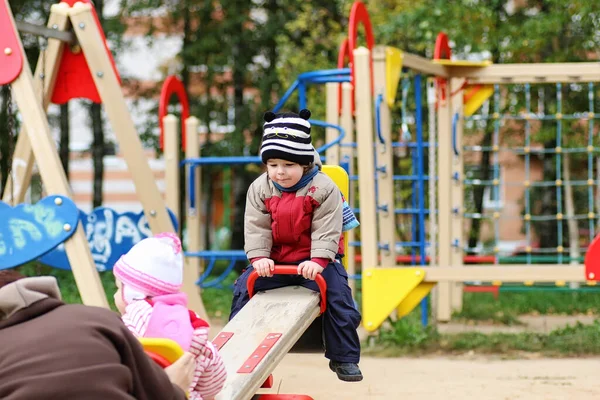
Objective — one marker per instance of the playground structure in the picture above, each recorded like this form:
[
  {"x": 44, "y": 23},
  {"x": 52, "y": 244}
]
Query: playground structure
[
  {"x": 456, "y": 90},
  {"x": 359, "y": 99}
]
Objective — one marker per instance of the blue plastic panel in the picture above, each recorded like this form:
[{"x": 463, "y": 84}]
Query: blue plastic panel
[
  {"x": 109, "y": 234},
  {"x": 29, "y": 231}
]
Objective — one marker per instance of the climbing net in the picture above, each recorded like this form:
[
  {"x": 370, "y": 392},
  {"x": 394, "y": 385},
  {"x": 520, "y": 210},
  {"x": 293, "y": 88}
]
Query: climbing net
[{"x": 541, "y": 186}]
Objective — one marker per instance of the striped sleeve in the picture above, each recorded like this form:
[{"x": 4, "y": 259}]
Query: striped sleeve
[
  {"x": 210, "y": 374},
  {"x": 136, "y": 317}
]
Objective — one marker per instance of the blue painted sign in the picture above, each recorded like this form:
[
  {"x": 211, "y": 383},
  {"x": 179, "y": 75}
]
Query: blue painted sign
[
  {"x": 28, "y": 231},
  {"x": 109, "y": 234}
]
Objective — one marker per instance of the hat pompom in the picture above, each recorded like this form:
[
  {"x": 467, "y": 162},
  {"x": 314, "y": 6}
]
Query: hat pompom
[
  {"x": 171, "y": 239},
  {"x": 269, "y": 116},
  {"x": 304, "y": 113}
]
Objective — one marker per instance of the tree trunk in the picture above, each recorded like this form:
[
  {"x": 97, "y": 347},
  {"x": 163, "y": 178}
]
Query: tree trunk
[
  {"x": 97, "y": 152},
  {"x": 64, "y": 137},
  {"x": 98, "y": 149},
  {"x": 239, "y": 172},
  {"x": 570, "y": 215},
  {"x": 547, "y": 229},
  {"x": 478, "y": 191},
  {"x": 570, "y": 211}
]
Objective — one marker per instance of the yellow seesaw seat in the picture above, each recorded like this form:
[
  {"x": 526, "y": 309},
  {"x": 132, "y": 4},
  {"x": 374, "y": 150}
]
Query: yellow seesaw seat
[{"x": 163, "y": 351}]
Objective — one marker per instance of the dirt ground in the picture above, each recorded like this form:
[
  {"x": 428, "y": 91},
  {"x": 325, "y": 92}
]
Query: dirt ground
[{"x": 458, "y": 377}]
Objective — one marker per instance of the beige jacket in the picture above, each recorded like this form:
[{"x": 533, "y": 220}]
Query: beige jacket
[{"x": 293, "y": 226}]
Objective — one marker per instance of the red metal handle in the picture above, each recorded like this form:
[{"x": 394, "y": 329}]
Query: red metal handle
[
  {"x": 291, "y": 270},
  {"x": 157, "y": 358}
]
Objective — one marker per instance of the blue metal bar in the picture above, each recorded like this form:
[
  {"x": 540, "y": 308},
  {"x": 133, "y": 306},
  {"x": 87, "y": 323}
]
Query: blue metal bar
[
  {"x": 222, "y": 160},
  {"x": 323, "y": 72},
  {"x": 192, "y": 186},
  {"x": 328, "y": 125},
  {"x": 217, "y": 282},
  {"x": 420, "y": 186},
  {"x": 378, "y": 102},
  {"x": 527, "y": 170},
  {"x": 413, "y": 196},
  {"x": 402, "y": 211},
  {"x": 286, "y": 96},
  {"x": 301, "y": 95},
  {"x": 383, "y": 246},
  {"x": 559, "y": 194},
  {"x": 410, "y": 145},
  {"x": 218, "y": 254},
  {"x": 327, "y": 79},
  {"x": 410, "y": 177},
  {"x": 454, "y": 144}
]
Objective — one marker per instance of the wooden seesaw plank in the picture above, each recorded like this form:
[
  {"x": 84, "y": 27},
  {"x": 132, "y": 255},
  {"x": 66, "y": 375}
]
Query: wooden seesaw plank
[{"x": 288, "y": 311}]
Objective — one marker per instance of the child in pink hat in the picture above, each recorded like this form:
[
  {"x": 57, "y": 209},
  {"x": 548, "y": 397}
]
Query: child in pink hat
[{"x": 149, "y": 279}]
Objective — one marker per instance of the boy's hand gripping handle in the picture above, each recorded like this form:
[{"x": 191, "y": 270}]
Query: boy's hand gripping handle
[{"x": 291, "y": 270}]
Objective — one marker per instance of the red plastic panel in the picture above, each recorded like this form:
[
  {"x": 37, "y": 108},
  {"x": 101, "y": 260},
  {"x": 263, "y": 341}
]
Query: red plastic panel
[
  {"x": 221, "y": 339},
  {"x": 261, "y": 351},
  {"x": 282, "y": 397},
  {"x": 359, "y": 15},
  {"x": 173, "y": 85},
  {"x": 442, "y": 51},
  {"x": 592, "y": 260},
  {"x": 74, "y": 78},
  {"x": 11, "y": 58},
  {"x": 268, "y": 384}
]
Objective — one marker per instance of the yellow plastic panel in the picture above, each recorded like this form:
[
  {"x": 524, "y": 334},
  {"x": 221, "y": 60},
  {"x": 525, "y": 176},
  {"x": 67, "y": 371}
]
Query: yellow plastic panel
[
  {"x": 414, "y": 298},
  {"x": 339, "y": 176},
  {"x": 462, "y": 63},
  {"x": 384, "y": 289},
  {"x": 167, "y": 348},
  {"x": 393, "y": 69},
  {"x": 475, "y": 96}
]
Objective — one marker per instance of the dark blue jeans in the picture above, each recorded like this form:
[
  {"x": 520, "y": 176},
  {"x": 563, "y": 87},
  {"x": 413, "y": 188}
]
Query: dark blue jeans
[{"x": 340, "y": 319}]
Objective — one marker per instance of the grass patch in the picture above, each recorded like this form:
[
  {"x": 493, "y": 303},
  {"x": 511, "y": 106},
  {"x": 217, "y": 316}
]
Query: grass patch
[
  {"x": 509, "y": 305},
  {"x": 218, "y": 301},
  {"x": 408, "y": 337}
]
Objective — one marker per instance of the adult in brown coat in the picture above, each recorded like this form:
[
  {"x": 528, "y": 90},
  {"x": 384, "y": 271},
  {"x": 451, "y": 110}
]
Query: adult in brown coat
[{"x": 52, "y": 350}]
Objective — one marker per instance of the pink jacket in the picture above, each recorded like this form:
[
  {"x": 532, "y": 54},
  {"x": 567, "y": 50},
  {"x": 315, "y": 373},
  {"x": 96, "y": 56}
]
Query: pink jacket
[{"x": 168, "y": 317}]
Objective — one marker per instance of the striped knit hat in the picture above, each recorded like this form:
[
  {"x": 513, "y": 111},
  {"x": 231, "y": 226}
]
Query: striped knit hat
[{"x": 287, "y": 136}]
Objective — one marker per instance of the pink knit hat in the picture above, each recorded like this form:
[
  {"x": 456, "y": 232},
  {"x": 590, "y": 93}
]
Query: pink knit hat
[{"x": 153, "y": 267}]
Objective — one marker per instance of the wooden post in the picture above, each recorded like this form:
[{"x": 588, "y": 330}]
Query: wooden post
[
  {"x": 53, "y": 176},
  {"x": 170, "y": 123},
  {"x": 347, "y": 155},
  {"x": 22, "y": 164},
  {"x": 457, "y": 190},
  {"x": 442, "y": 295},
  {"x": 366, "y": 167},
  {"x": 332, "y": 154},
  {"x": 193, "y": 211},
  {"x": 385, "y": 159}
]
